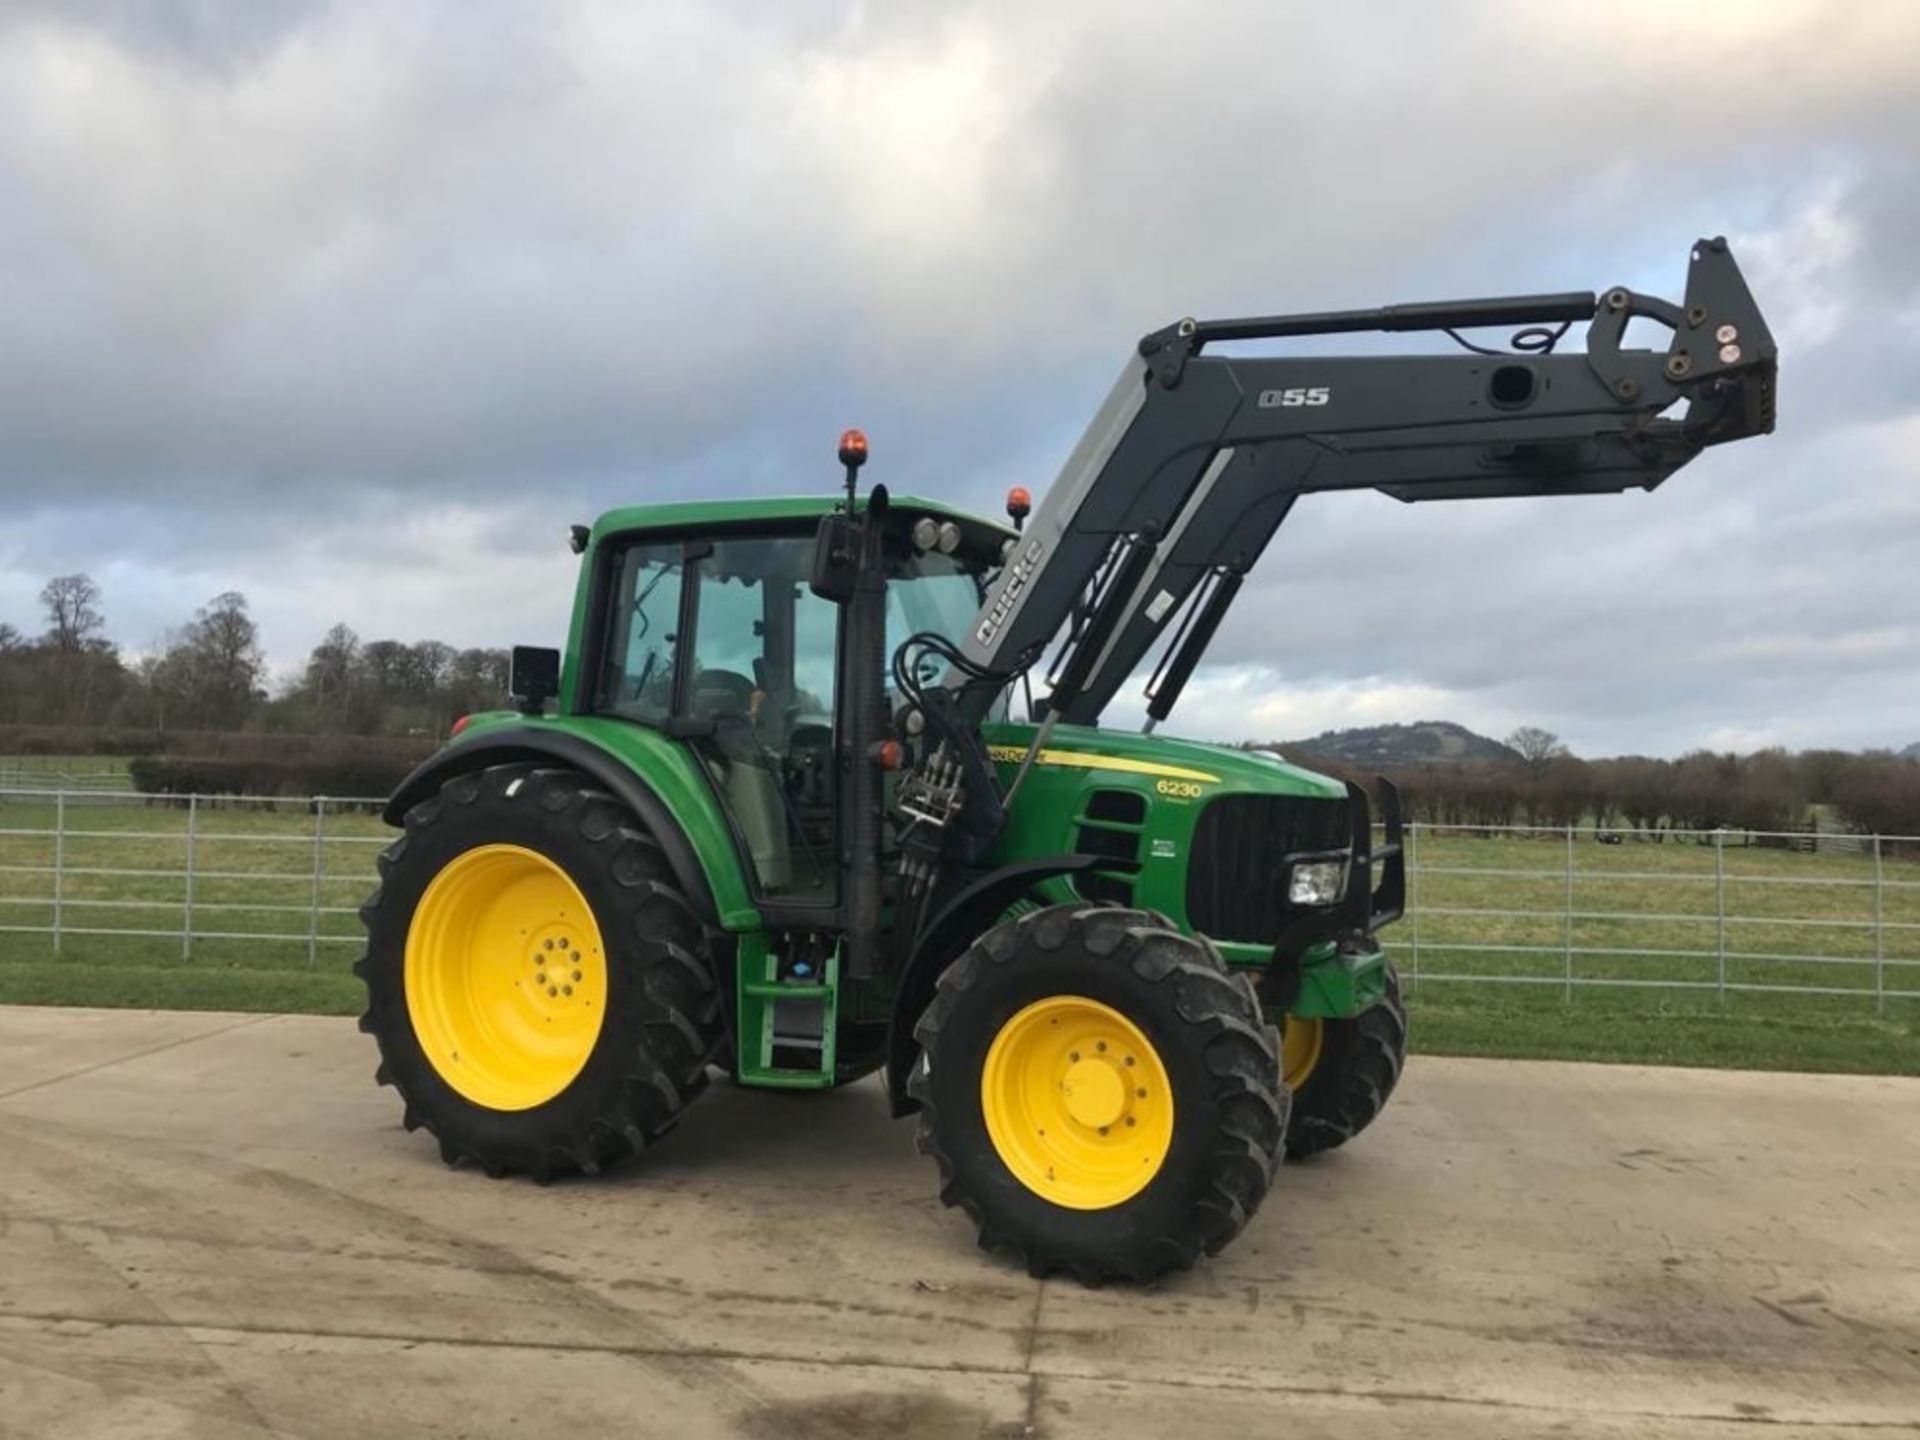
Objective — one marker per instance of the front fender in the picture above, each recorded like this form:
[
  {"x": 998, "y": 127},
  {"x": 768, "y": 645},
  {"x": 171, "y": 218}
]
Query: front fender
[{"x": 973, "y": 910}]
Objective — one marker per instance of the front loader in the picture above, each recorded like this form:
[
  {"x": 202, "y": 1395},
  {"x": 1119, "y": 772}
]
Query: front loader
[{"x": 819, "y": 789}]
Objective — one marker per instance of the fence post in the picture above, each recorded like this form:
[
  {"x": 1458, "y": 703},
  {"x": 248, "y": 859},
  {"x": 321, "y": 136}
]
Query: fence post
[
  {"x": 1569, "y": 954},
  {"x": 1413, "y": 880},
  {"x": 1879, "y": 931},
  {"x": 186, "y": 923},
  {"x": 1720, "y": 914},
  {"x": 319, "y": 864},
  {"x": 59, "y": 863}
]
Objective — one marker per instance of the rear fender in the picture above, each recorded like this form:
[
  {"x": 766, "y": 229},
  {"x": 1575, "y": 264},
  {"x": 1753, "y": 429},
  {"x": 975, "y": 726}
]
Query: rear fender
[{"x": 509, "y": 744}]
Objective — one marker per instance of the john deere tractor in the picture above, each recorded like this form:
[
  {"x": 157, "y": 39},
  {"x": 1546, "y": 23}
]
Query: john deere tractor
[{"x": 819, "y": 789}]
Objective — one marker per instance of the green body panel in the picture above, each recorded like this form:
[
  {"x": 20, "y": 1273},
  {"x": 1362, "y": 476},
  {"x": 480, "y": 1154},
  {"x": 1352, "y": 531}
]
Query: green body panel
[
  {"x": 1176, "y": 778},
  {"x": 1334, "y": 986},
  {"x": 670, "y": 768}
]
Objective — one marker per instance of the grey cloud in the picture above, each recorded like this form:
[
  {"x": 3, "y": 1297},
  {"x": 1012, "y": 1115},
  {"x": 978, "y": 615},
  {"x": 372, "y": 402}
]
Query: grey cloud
[{"x": 321, "y": 270}]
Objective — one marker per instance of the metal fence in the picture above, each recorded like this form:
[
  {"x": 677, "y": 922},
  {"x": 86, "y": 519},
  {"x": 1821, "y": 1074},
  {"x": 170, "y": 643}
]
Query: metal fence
[
  {"x": 1717, "y": 911},
  {"x": 244, "y": 881},
  {"x": 17, "y": 773},
  {"x": 189, "y": 871}
]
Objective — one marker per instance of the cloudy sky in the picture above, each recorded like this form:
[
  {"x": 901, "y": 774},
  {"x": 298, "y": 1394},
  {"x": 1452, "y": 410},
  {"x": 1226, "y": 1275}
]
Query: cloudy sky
[{"x": 352, "y": 306}]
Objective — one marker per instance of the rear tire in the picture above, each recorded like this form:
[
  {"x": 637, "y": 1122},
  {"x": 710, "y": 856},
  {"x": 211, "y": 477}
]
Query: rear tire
[
  {"x": 632, "y": 1070},
  {"x": 1358, "y": 1064},
  {"x": 1116, "y": 1192}
]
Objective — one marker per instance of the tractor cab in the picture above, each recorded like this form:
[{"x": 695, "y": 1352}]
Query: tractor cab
[{"x": 710, "y": 632}]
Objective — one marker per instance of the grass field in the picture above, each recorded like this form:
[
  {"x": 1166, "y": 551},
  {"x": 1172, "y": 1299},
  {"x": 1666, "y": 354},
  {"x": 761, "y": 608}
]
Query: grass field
[
  {"x": 1650, "y": 923},
  {"x": 1650, "y": 920}
]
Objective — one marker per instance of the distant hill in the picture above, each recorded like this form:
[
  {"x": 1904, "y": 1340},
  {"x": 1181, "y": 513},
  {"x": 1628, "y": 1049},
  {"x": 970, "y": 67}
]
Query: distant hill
[
  {"x": 1425, "y": 742},
  {"x": 1912, "y": 752}
]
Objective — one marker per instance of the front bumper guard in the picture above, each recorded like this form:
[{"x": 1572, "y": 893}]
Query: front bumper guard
[{"x": 1375, "y": 895}]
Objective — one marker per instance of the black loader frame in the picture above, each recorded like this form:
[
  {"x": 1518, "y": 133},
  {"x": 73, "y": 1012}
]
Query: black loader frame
[{"x": 1196, "y": 459}]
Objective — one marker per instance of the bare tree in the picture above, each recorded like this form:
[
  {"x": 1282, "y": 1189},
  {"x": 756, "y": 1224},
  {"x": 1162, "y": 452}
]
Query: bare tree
[
  {"x": 1878, "y": 792},
  {"x": 330, "y": 672},
  {"x": 1537, "y": 747},
  {"x": 215, "y": 665},
  {"x": 73, "y": 612}
]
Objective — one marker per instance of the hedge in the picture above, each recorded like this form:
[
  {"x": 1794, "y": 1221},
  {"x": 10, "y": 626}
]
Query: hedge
[
  {"x": 366, "y": 770},
  {"x": 224, "y": 744}
]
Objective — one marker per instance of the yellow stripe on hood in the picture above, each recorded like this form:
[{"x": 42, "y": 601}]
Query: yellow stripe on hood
[{"x": 1083, "y": 760}]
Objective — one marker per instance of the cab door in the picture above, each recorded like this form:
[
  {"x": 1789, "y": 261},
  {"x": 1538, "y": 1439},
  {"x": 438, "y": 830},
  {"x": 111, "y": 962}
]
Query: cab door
[{"x": 755, "y": 686}]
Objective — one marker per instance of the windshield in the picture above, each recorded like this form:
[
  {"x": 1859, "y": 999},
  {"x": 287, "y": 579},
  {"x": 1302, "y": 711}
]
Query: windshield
[{"x": 928, "y": 590}]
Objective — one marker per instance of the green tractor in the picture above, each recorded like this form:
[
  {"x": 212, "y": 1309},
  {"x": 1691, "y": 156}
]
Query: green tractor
[{"x": 820, "y": 790}]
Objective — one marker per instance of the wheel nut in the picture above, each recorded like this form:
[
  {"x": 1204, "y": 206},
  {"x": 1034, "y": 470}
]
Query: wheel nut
[
  {"x": 1129, "y": 1119},
  {"x": 576, "y": 957},
  {"x": 1100, "y": 1045},
  {"x": 576, "y": 974},
  {"x": 1129, "y": 1059},
  {"x": 541, "y": 978},
  {"x": 566, "y": 989},
  {"x": 546, "y": 944},
  {"x": 1073, "y": 1056},
  {"x": 1141, "y": 1093},
  {"x": 553, "y": 989}
]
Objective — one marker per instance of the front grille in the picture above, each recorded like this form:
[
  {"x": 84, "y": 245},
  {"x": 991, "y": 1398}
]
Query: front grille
[{"x": 1235, "y": 890}]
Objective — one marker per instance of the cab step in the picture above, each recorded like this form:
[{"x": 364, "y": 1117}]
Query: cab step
[{"x": 787, "y": 1027}]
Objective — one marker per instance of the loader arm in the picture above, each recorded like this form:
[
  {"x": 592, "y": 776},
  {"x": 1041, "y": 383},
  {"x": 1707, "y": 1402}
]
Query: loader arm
[{"x": 1195, "y": 459}]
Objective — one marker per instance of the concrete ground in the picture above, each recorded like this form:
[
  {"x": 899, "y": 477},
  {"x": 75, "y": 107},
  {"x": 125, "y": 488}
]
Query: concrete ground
[{"x": 212, "y": 1225}]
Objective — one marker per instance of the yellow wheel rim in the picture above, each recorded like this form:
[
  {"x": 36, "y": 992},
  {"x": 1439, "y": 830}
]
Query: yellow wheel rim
[
  {"x": 1077, "y": 1103},
  {"x": 506, "y": 977},
  {"x": 1300, "y": 1042}
]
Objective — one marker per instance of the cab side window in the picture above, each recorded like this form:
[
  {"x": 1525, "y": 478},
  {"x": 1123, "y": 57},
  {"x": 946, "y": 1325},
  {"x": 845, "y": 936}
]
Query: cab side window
[
  {"x": 762, "y": 671},
  {"x": 642, "y": 656}
]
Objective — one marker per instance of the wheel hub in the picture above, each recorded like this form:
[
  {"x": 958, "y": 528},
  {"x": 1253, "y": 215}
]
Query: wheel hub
[
  {"x": 1077, "y": 1102},
  {"x": 506, "y": 977},
  {"x": 1094, "y": 1094}
]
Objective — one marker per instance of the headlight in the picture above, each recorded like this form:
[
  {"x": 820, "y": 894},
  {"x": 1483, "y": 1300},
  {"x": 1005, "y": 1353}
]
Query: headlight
[{"x": 1317, "y": 882}]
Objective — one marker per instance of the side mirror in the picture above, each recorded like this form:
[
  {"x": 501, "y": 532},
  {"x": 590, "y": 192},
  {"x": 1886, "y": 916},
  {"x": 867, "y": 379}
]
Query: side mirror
[
  {"x": 534, "y": 677},
  {"x": 836, "y": 559}
]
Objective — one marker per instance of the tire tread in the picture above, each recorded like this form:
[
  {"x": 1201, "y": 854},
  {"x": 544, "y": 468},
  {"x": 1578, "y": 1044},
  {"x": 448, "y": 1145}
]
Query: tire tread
[
  {"x": 1241, "y": 1052},
  {"x": 680, "y": 1036}
]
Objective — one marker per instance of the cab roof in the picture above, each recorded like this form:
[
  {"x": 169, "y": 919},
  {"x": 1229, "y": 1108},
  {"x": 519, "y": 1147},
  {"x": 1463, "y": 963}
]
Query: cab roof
[{"x": 691, "y": 514}]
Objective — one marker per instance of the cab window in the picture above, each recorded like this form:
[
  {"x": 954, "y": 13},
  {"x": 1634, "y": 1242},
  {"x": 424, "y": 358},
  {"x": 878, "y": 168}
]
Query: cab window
[
  {"x": 639, "y": 676},
  {"x": 727, "y": 636}
]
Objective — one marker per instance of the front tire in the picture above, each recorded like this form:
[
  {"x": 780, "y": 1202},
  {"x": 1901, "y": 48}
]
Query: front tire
[
  {"x": 542, "y": 993},
  {"x": 1342, "y": 1071},
  {"x": 1101, "y": 1095}
]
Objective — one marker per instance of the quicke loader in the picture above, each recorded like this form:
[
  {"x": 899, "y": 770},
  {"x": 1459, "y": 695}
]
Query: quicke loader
[{"x": 819, "y": 789}]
